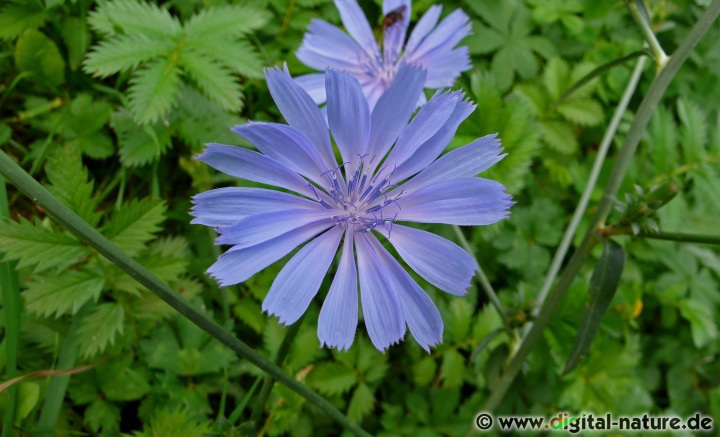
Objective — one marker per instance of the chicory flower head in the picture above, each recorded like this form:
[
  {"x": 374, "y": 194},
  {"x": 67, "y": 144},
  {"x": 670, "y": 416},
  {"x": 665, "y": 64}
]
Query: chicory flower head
[
  {"x": 430, "y": 46},
  {"x": 390, "y": 173}
]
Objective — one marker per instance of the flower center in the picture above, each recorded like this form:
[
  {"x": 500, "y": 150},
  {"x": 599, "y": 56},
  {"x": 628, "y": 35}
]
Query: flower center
[{"x": 362, "y": 204}]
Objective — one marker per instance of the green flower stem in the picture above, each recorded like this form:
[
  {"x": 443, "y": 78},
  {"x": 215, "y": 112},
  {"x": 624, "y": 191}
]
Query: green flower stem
[
  {"x": 661, "y": 59},
  {"x": 11, "y": 309},
  {"x": 670, "y": 236},
  {"x": 57, "y": 387},
  {"x": 92, "y": 237},
  {"x": 648, "y": 105},
  {"x": 589, "y": 187},
  {"x": 489, "y": 290},
  {"x": 269, "y": 382}
]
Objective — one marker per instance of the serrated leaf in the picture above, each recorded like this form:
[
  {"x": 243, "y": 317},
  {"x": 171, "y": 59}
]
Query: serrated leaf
[
  {"x": 203, "y": 119},
  {"x": 167, "y": 258},
  {"x": 361, "y": 403},
  {"x": 20, "y": 16},
  {"x": 134, "y": 17},
  {"x": 702, "y": 321},
  {"x": 559, "y": 136},
  {"x": 237, "y": 56},
  {"x": 119, "y": 381},
  {"x": 37, "y": 54},
  {"x": 424, "y": 371},
  {"x": 232, "y": 20},
  {"x": 101, "y": 414},
  {"x": 154, "y": 90},
  {"x": 70, "y": 184},
  {"x": 62, "y": 294},
  {"x": 484, "y": 39},
  {"x": 663, "y": 140},
  {"x": 99, "y": 327},
  {"x": 452, "y": 370},
  {"x": 135, "y": 224},
  {"x": 39, "y": 246},
  {"x": 124, "y": 52},
  {"x": 555, "y": 77},
  {"x": 603, "y": 285},
  {"x": 215, "y": 80},
  {"x": 583, "y": 111},
  {"x": 694, "y": 133},
  {"x": 332, "y": 378},
  {"x": 139, "y": 145}
]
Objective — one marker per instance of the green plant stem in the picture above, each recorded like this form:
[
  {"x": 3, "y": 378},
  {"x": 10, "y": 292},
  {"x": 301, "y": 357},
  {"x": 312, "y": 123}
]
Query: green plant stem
[
  {"x": 597, "y": 72},
  {"x": 589, "y": 187},
  {"x": 55, "y": 394},
  {"x": 487, "y": 287},
  {"x": 67, "y": 218},
  {"x": 11, "y": 309},
  {"x": 269, "y": 382},
  {"x": 675, "y": 236},
  {"x": 661, "y": 59},
  {"x": 645, "y": 111}
]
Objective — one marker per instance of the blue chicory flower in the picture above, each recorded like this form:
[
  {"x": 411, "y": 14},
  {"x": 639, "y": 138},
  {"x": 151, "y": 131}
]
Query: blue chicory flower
[
  {"x": 389, "y": 174},
  {"x": 430, "y": 46}
]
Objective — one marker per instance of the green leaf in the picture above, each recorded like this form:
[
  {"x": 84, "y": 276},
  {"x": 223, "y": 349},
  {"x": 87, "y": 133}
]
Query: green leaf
[
  {"x": 98, "y": 329},
  {"x": 424, "y": 371},
  {"x": 694, "y": 133},
  {"x": 37, "y": 54},
  {"x": 132, "y": 17},
  {"x": 361, "y": 403},
  {"x": 139, "y": 145},
  {"x": 231, "y": 20},
  {"x": 167, "y": 258},
  {"x": 62, "y": 294},
  {"x": 603, "y": 285},
  {"x": 237, "y": 56},
  {"x": 69, "y": 183},
  {"x": 582, "y": 111},
  {"x": 215, "y": 80},
  {"x": 203, "y": 119},
  {"x": 663, "y": 140},
  {"x": 120, "y": 382},
  {"x": 452, "y": 370},
  {"x": 559, "y": 136},
  {"x": 77, "y": 37},
  {"x": 135, "y": 224},
  {"x": 124, "y": 52},
  {"x": 173, "y": 423},
  {"x": 702, "y": 321},
  {"x": 39, "y": 246},
  {"x": 332, "y": 378},
  {"x": 101, "y": 414},
  {"x": 154, "y": 90},
  {"x": 555, "y": 77},
  {"x": 484, "y": 39},
  {"x": 28, "y": 397},
  {"x": 20, "y": 16}
]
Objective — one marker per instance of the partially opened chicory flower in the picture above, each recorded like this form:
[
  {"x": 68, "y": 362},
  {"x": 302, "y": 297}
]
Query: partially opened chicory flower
[
  {"x": 430, "y": 45},
  {"x": 389, "y": 174}
]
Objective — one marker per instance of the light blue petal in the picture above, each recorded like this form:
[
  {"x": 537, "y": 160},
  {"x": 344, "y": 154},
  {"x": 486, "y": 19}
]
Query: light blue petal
[
  {"x": 339, "y": 314},
  {"x": 300, "y": 109},
  {"x": 393, "y": 110},
  {"x": 238, "y": 265},
  {"x": 466, "y": 161},
  {"x": 428, "y": 121},
  {"x": 357, "y": 24},
  {"x": 373, "y": 90},
  {"x": 253, "y": 166},
  {"x": 441, "y": 262},
  {"x": 423, "y": 27},
  {"x": 348, "y": 114},
  {"x": 299, "y": 281},
  {"x": 460, "y": 201},
  {"x": 445, "y": 66},
  {"x": 381, "y": 309},
  {"x": 226, "y": 206},
  {"x": 259, "y": 228},
  {"x": 287, "y": 146},
  {"x": 314, "y": 85},
  {"x": 433, "y": 147},
  {"x": 445, "y": 37},
  {"x": 419, "y": 311}
]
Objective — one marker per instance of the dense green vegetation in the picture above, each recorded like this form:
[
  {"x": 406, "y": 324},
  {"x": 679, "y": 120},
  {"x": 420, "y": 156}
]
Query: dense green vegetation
[{"x": 107, "y": 102}]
